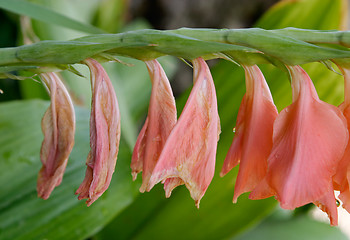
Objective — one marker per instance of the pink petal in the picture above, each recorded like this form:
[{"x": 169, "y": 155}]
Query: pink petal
[
  {"x": 308, "y": 141},
  {"x": 327, "y": 203},
  {"x": 58, "y": 125},
  {"x": 104, "y": 135},
  {"x": 190, "y": 151},
  {"x": 342, "y": 177},
  {"x": 160, "y": 121},
  {"x": 139, "y": 149},
  {"x": 344, "y": 196},
  {"x": 170, "y": 184},
  {"x": 252, "y": 143}
]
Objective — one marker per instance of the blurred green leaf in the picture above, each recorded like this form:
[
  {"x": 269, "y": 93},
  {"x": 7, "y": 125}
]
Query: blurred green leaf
[
  {"x": 292, "y": 229},
  {"x": 83, "y": 12},
  {"x": 44, "y": 14},
  {"x": 111, "y": 15},
  {"x": 31, "y": 89},
  {"x": 307, "y": 14},
  {"x": 22, "y": 214}
]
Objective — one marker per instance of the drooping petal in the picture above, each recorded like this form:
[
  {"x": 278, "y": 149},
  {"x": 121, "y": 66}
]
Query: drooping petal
[
  {"x": 104, "y": 135},
  {"x": 327, "y": 203},
  {"x": 309, "y": 138},
  {"x": 139, "y": 150},
  {"x": 344, "y": 196},
  {"x": 170, "y": 184},
  {"x": 189, "y": 153},
  {"x": 160, "y": 121},
  {"x": 342, "y": 177},
  {"x": 58, "y": 126},
  {"x": 252, "y": 143}
]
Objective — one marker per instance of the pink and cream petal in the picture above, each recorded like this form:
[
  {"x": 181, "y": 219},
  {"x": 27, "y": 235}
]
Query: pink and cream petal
[
  {"x": 328, "y": 204},
  {"x": 58, "y": 125},
  {"x": 190, "y": 151},
  {"x": 160, "y": 121},
  {"x": 104, "y": 135}
]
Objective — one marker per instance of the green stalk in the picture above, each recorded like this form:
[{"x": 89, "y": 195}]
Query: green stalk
[{"x": 248, "y": 46}]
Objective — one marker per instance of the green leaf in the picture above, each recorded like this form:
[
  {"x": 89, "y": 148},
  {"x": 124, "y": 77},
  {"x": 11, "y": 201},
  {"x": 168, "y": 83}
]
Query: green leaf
[
  {"x": 292, "y": 229},
  {"x": 22, "y": 214},
  {"x": 111, "y": 15},
  {"x": 44, "y": 14},
  {"x": 308, "y": 14}
]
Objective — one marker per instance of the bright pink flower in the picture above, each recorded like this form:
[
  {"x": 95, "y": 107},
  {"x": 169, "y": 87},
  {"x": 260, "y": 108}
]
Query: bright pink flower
[
  {"x": 342, "y": 177},
  {"x": 252, "y": 143},
  {"x": 58, "y": 125},
  {"x": 309, "y": 139},
  {"x": 188, "y": 156},
  {"x": 104, "y": 135},
  {"x": 160, "y": 121}
]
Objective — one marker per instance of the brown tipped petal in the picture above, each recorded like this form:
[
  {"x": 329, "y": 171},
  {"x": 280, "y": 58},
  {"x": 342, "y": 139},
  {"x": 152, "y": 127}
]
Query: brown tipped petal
[
  {"x": 137, "y": 155},
  {"x": 58, "y": 126},
  {"x": 104, "y": 135},
  {"x": 190, "y": 151},
  {"x": 170, "y": 184},
  {"x": 328, "y": 204},
  {"x": 160, "y": 121}
]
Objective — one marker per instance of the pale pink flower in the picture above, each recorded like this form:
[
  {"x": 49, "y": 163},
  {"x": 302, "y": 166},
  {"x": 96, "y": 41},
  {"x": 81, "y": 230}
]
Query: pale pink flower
[
  {"x": 188, "y": 156},
  {"x": 252, "y": 143},
  {"x": 160, "y": 121},
  {"x": 342, "y": 176},
  {"x": 104, "y": 135},
  {"x": 309, "y": 139},
  {"x": 58, "y": 126}
]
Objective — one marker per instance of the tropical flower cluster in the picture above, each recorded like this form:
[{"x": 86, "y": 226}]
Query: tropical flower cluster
[{"x": 300, "y": 155}]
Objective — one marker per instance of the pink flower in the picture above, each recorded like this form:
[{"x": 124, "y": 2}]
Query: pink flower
[
  {"x": 309, "y": 139},
  {"x": 342, "y": 177},
  {"x": 104, "y": 135},
  {"x": 188, "y": 156},
  {"x": 160, "y": 121},
  {"x": 252, "y": 143},
  {"x": 58, "y": 126}
]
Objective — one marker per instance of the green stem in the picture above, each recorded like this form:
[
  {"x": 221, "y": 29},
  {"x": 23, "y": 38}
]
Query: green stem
[
  {"x": 8, "y": 56},
  {"x": 248, "y": 46}
]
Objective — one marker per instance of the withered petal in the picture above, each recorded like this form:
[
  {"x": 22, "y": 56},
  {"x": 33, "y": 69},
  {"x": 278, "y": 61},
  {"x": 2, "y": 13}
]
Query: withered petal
[
  {"x": 58, "y": 126},
  {"x": 104, "y": 135},
  {"x": 190, "y": 151},
  {"x": 160, "y": 121}
]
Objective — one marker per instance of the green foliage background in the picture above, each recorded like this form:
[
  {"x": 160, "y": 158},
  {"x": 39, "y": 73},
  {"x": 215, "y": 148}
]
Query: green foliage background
[{"x": 122, "y": 212}]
